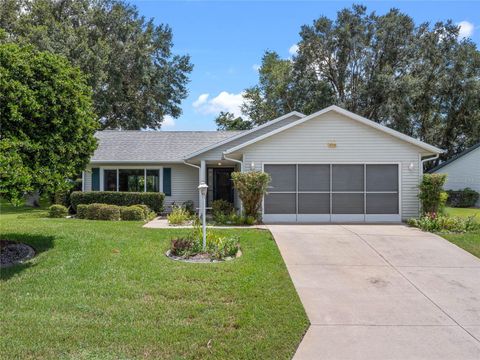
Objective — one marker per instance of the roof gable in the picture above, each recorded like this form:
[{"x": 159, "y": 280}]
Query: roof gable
[
  {"x": 350, "y": 115},
  {"x": 259, "y": 129}
]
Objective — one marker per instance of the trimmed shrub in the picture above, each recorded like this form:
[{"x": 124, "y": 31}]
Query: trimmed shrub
[
  {"x": 251, "y": 187},
  {"x": 103, "y": 212},
  {"x": 178, "y": 216},
  {"x": 82, "y": 211},
  {"x": 431, "y": 195},
  {"x": 153, "y": 200},
  {"x": 133, "y": 212},
  {"x": 221, "y": 207},
  {"x": 462, "y": 198},
  {"x": 57, "y": 211}
]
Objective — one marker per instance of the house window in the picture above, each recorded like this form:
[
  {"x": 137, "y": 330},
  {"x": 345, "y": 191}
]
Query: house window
[
  {"x": 131, "y": 180},
  {"x": 153, "y": 180},
  {"x": 110, "y": 180},
  {"x": 138, "y": 180}
]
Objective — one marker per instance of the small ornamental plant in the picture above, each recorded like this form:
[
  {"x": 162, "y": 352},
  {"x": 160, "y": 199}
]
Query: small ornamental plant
[
  {"x": 251, "y": 187},
  {"x": 432, "y": 195}
]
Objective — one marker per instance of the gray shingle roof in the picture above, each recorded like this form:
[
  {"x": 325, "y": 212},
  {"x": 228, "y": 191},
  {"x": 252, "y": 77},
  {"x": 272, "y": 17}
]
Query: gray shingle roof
[{"x": 161, "y": 146}]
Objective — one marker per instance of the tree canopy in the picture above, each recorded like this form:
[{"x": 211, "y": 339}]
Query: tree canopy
[
  {"x": 136, "y": 80},
  {"x": 421, "y": 80},
  {"x": 47, "y": 121},
  {"x": 228, "y": 121}
]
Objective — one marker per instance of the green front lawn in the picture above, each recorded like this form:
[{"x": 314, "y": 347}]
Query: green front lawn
[
  {"x": 469, "y": 241},
  {"x": 105, "y": 290},
  {"x": 463, "y": 212}
]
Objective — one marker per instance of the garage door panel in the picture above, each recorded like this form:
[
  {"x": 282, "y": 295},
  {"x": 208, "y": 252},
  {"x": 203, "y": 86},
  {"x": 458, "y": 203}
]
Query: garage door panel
[
  {"x": 347, "y": 203},
  {"x": 283, "y": 177},
  {"x": 382, "y": 203},
  {"x": 279, "y": 203},
  {"x": 382, "y": 177},
  {"x": 347, "y": 177},
  {"x": 313, "y": 203},
  {"x": 332, "y": 192},
  {"x": 314, "y": 177}
]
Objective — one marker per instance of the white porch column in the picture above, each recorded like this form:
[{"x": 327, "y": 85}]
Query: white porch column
[{"x": 202, "y": 172}]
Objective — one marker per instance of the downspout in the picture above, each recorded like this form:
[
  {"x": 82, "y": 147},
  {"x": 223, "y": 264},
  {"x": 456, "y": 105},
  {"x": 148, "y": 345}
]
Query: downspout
[
  {"x": 424, "y": 161},
  {"x": 241, "y": 169},
  {"x": 234, "y": 160}
]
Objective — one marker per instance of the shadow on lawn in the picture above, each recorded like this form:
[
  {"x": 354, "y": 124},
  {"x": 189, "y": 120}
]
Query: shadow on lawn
[{"x": 40, "y": 243}]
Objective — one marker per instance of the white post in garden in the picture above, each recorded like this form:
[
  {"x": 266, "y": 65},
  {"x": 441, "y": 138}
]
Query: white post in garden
[{"x": 202, "y": 189}]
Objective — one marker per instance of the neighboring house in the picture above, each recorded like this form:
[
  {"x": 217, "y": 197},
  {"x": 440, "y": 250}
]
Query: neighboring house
[
  {"x": 331, "y": 166},
  {"x": 463, "y": 170}
]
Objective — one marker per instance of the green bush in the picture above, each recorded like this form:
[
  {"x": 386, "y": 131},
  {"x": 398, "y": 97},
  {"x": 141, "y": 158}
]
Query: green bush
[
  {"x": 103, "y": 212},
  {"x": 82, "y": 211},
  {"x": 221, "y": 206},
  {"x": 431, "y": 195},
  {"x": 153, "y": 200},
  {"x": 462, "y": 198},
  {"x": 133, "y": 212},
  {"x": 251, "y": 187},
  {"x": 233, "y": 219},
  {"x": 178, "y": 216},
  {"x": 442, "y": 223},
  {"x": 57, "y": 211}
]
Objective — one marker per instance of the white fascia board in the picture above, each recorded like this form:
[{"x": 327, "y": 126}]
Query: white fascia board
[
  {"x": 227, "y": 140},
  {"x": 350, "y": 115}
]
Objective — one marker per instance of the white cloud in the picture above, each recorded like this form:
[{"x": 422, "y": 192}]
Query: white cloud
[
  {"x": 466, "y": 29},
  {"x": 168, "y": 121},
  {"x": 201, "y": 100},
  {"x": 224, "y": 101},
  {"x": 293, "y": 50},
  {"x": 255, "y": 67}
]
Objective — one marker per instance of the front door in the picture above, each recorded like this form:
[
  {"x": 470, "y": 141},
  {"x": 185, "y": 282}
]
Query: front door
[{"x": 222, "y": 184}]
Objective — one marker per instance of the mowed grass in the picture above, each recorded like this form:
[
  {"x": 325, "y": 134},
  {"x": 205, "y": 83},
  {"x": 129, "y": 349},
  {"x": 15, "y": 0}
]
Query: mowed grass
[
  {"x": 105, "y": 290},
  {"x": 468, "y": 241},
  {"x": 464, "y": 212}
]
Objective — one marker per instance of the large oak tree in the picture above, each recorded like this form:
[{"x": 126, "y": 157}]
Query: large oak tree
[
  {"x": 421, "y": 80},
  {"x": 136, "y": 79}
]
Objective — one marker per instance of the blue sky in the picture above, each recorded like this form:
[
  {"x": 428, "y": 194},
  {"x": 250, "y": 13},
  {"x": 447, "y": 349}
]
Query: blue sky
[{"x": 226, "y": 41}]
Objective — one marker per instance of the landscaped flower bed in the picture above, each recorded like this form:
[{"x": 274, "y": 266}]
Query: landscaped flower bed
[{"x": 190, "y": 247}]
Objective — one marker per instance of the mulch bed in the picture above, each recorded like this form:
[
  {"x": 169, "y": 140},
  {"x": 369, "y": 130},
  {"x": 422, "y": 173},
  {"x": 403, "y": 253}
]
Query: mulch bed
[{"x": 12, "y": 253}]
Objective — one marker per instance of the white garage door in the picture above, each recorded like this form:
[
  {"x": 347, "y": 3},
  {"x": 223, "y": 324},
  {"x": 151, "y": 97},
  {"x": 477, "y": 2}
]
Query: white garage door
[{"x": 332, "y": 193}]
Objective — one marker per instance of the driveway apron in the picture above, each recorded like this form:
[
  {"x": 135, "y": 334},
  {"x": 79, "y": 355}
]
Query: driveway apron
[{"x": 382, "y": 292}]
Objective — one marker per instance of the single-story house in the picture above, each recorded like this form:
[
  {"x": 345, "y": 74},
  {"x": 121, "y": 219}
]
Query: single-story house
[
  {"x": 463, "y": 170},
  {"x": 330, "y": 166}
]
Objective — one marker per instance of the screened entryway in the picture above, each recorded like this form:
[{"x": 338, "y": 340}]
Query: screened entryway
[{"x": 332, "y": 193}]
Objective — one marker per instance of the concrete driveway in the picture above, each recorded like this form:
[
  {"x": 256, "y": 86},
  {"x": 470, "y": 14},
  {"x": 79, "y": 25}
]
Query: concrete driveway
[{"x": 382, "y": 292}]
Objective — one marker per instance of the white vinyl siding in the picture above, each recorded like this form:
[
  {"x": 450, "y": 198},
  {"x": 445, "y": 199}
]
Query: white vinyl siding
[
  {"x": 217, "y": 153},
  {"x": 354, "y": 143},
  {"x": 184, "y": 180},
  {"x": 463, "y": 172}
]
